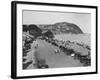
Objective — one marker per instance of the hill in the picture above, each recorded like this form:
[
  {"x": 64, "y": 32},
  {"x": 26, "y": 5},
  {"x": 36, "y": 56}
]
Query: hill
[{"x": 61, "y": 27}]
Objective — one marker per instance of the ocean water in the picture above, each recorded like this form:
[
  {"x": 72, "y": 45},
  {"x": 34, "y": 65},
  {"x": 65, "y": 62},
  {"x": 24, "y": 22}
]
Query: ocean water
[{"x": 80, "y": 38}]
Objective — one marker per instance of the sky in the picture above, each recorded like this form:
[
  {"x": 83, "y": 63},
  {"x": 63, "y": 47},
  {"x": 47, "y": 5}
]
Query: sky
[{"x": 83, "y": 20}]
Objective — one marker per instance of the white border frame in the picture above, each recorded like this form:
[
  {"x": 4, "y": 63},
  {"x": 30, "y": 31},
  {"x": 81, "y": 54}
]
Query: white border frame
[{"x": 35, "y": 72}]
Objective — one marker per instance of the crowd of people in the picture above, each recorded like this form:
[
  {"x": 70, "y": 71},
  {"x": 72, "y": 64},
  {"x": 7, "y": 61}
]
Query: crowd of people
[{"x": 76, "y": 50}]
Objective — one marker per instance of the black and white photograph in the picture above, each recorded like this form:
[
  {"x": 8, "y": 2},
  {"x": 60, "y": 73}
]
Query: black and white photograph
[
  {"x": 56, "y": 39},
  {"x": 53, "y": 39}
]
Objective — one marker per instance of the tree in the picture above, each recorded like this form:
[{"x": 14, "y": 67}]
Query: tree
[
  {"x": 25, "y": 28},
  {"x": 48, "y": 34},
  {"x": 34, "y": 30}
]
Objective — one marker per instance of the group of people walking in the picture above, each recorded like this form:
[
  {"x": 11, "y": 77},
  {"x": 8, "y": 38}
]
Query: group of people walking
[{"x": 76, "y": 50}]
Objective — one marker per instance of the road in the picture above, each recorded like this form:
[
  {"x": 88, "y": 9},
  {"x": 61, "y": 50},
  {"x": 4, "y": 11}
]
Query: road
[{"x": 54, "y": 60}]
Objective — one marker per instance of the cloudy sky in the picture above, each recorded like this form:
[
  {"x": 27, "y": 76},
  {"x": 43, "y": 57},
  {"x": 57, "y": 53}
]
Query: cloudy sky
[{"x": 44, "y": 17}]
